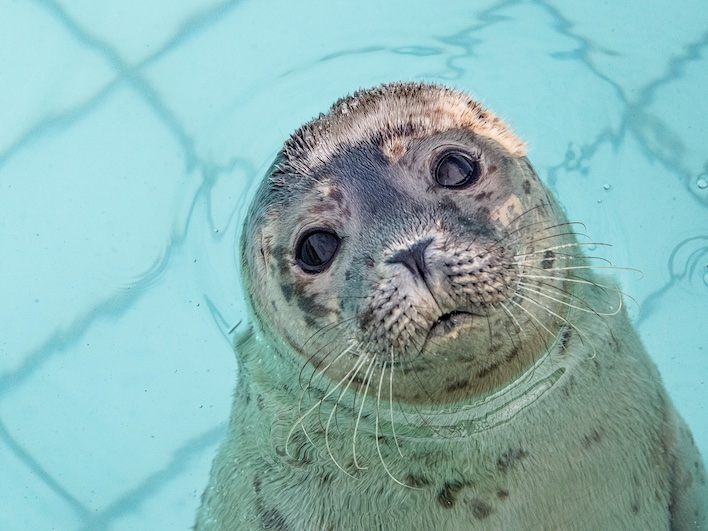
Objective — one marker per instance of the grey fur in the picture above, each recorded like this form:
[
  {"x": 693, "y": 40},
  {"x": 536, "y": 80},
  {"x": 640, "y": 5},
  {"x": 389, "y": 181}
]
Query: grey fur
[{"x": 456, "y": 366}]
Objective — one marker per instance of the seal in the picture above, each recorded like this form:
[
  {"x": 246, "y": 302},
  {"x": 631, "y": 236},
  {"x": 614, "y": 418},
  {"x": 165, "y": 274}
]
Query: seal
[{"x": 429, "y": 346}]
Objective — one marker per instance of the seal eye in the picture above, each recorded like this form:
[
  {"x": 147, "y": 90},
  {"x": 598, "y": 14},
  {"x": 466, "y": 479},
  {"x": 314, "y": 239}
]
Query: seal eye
[
  {"x": 316, "y": 249},
  {"x": 455, "y": 170}
]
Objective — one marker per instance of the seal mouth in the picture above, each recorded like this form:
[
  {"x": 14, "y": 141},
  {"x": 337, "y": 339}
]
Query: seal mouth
[{"x": 449, "y": 322}]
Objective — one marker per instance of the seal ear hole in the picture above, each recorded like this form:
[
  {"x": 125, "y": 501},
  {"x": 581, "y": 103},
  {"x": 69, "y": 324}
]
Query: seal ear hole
[
  {"x": 455, "y": 169},
  {"x": 315, "y": 250}
]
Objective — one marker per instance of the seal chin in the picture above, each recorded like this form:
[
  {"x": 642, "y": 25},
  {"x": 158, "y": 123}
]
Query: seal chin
[{"x": 449, "y": 323}]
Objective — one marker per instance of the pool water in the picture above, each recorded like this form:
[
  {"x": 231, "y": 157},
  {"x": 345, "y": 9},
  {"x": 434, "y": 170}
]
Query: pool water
[{"x": 133, "y": 134}]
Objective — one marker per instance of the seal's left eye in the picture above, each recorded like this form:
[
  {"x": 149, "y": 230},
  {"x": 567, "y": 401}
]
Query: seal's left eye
[
  {"x": 456, "y": 170},
  {"x": 316, "y": 249}
]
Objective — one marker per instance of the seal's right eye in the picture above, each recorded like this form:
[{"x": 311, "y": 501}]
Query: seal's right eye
[
  {"x": 315, "y": 250},
  {"x": 456, "y": 170}
]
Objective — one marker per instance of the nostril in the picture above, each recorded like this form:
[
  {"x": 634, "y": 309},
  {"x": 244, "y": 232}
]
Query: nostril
[{"x": 413, "y": 258}]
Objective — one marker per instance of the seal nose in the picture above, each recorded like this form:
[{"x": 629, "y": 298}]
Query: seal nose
[{"x": 413, "y": 258}]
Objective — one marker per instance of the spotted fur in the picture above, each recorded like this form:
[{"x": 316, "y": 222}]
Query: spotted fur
[{"x": 457, "y": 365}]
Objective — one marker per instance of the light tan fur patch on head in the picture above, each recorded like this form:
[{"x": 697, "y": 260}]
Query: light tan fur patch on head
[{"x": 390, "y": 113}]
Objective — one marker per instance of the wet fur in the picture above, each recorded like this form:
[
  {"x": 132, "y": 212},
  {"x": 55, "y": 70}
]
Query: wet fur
[{"x": 334, "y": 418}]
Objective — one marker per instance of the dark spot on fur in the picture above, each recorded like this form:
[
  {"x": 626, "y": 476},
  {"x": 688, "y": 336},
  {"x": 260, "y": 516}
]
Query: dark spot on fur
[
  {"x": 484, "y": 212},
  {"x": 548, "y": 256},
  {"x": 315, "y": 210},
  {"x": 366, "y": 318},
  {"x": 336, "y": 194},
  {"x": 308, "y": 304},
  {"x": 502, "y": 494},
  {"x": 511, "y": 458},
  {"x": 447, "y": 203},
  {"x": 448, "y": 495},
  {"x": 569, "y": 388},
  {"x": 594, "y": 437},
  {"x": 480, "y": 510},
  {"x": 257, "y": 484},
  {"x": 280, "y": 254},
  {"x": 565, "y": 339},
  {"x": 487, "y": 370},
  {"x": 480, "y": 196},
  {"x": 311, "y": 321},
  {"x": 512, "y": 355},
  {"x": 492, "y": 168},
  {"x": 527, "y": 187},
  {"x": 635, "y": 508},
  {"x": 417, "y": 481},
  {"x": 596, "y": 365},
  {"x": 457, "y": 386},
  {"x": 271, "y": 519},
  {"x": 370, "y": 262},
  {"x": 242, "y": 392},
  {"x": 287, "y": 290}
]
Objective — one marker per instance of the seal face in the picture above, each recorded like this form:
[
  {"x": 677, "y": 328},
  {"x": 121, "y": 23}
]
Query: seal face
[
  {"x": 430, "y": 348},
  {"x": 414, "y": 246}
]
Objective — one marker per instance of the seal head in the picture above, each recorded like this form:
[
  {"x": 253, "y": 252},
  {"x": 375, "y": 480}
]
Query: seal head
[{"x": 406, "y": 231}]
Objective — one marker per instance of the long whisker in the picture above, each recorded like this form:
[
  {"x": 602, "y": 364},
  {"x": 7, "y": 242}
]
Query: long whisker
[
  {"x": 376, "y": 433},
  {"x": 513, "y": 317},
  {"x": 355, "y": 370},
  {"x": 538, "y": 291},
  {"x": 390, "y": 402},
  {"x": 531, "y": 315},
  {"x": 563, "y": 319},
  {"x": 367, "y": 381},
  {"x": 299, "y": 421},
  {"x": 563, "y": 246}
]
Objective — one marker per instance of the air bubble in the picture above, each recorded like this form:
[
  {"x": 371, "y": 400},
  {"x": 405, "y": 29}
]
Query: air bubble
[
  {"x": 702, "y": 183},
  {"x": 607, "y": 187}
]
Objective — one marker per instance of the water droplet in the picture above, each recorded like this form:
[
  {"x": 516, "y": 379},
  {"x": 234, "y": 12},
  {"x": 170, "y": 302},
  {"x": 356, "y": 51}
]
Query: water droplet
[
  {"x": 607, "y": 186},
  {"x": 702, "y": 183}
]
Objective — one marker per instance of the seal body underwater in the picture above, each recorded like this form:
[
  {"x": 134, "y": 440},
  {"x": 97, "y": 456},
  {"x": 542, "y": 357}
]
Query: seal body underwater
[{"x": 431, "y": 349}]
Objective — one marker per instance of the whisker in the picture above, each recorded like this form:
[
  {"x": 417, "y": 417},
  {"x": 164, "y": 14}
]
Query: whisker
[
  {"x": 537, "y": 291},
  {"x": 513, "y": 318},
  {"x": 563, "y": 246},
  {"x": 562, "y": 319},
  {"x": 390, "y": 401},
  {"x": 354, "y": 372},
  {"x": 300, "y": 420},
  {"x": 376, "y": 434},
  {"x": 367, "y": 381},
  {"x": 531, "y": 315},
  {"x": 569, "y": 268}
]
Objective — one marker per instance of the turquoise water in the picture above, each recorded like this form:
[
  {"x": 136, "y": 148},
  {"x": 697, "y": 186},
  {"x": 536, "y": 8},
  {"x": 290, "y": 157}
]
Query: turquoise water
[{"x": 132, "y": 134}]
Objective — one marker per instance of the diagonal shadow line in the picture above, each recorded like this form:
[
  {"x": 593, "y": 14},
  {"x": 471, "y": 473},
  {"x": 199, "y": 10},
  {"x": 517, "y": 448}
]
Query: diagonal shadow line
[
  {"x": 134, "y": 499},
  {"x": 129, "y": 74},
  {"x": 112, "y": 306},
  {"x": 635, "y": 119},
  {"x": 191, "y": 27},
  {"x": 31, "y": 463},
  {"x": 59, "y": 121},
  {"x": 126, "y": 73},
  {"x": 119, "y": 303}
]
